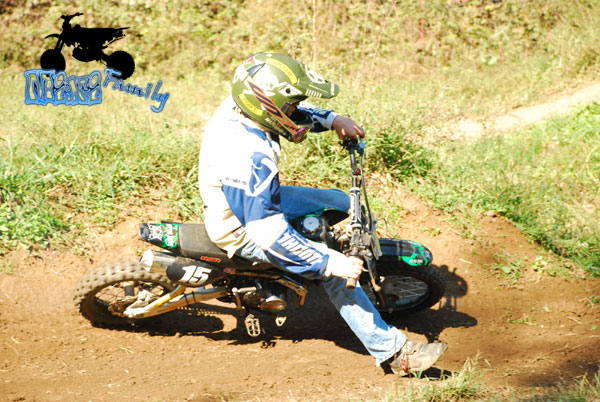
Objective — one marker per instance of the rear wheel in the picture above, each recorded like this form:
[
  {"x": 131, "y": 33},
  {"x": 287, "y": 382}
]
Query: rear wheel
[
  {"x": 104, "y": 293},
  {"x": 406, "y": 288},
  {"x": 122, "y": 62}
]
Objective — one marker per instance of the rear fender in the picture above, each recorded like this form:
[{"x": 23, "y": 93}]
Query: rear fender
[
  {"x": 407, "y": 252},
  {"x": 164, "y": 234}
]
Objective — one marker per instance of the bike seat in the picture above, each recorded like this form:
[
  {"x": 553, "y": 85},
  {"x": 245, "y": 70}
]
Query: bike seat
[
  {"x": 195, "y": 243},
  {"x": 90, "y": 37},
  {"x": 191, "y": 240}
]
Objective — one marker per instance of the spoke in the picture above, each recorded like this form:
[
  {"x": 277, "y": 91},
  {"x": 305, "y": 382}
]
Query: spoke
[
  {"x": 115, "y": 300},
  {"x": 401, "y": 291}
]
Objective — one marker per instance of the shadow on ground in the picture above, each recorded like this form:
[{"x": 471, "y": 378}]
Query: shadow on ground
[{"x": 318, "y": 319}]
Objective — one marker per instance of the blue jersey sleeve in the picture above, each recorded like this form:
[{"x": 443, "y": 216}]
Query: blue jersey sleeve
[
  {"x": 256, "y": 202},
  {"x": 321, "y": 118}
]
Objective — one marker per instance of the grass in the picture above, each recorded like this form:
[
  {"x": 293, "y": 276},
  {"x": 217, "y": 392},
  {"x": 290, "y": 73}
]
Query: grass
[
  {"x": 406, "y": 69},
  {"x": 545, "y": 179},
  {"x": 7, "y": 267},
  {"x": 468, "y": 384},
  {"x": 512, "y": 268},
  {"x": 84, "y": 165}
]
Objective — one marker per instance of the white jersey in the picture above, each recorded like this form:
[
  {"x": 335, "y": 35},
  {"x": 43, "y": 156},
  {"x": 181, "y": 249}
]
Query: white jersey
[{"x": 239, "y": 185}]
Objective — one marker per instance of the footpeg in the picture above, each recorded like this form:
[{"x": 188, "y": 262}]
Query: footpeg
[{"x": 252, "y": 325}]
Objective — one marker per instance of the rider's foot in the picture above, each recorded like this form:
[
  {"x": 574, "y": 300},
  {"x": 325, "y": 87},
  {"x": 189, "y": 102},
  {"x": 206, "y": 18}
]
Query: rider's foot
[{"x": 416, "y": 357}]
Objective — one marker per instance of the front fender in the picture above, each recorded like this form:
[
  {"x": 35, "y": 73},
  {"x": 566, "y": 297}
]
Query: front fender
[
  {"x": 407, "y": 251},
  {"x": 57, "y": 36}
]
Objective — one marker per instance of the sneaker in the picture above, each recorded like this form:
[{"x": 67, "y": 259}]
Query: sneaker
[{"x": 417, "y": 357}]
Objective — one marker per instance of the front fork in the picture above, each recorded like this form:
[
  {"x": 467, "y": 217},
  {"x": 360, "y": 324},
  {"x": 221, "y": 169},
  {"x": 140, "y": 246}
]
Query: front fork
[
  {"x": 59, "y": 44},
  {"x": 364, "y": 245}
]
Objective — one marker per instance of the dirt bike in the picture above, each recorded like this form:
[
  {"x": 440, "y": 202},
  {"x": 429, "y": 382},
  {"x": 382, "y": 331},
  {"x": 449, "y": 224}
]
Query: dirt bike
[
  {"x": 192, "y": 269},
  {"x": 89, "y": 45}
]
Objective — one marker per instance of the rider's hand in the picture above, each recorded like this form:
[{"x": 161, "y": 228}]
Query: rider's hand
[
  {"x": 344, "y": 267},
  {"x": 346, "y": 127}
]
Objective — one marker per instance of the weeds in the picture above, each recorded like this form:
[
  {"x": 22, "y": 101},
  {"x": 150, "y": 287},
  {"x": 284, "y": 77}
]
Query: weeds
[
  {"x": 510, "y": 267},
  {"x": 7, "y": 267},
  {"x": 544, "y": 179},
  {"x": 526, "y": 320},
  {"x": 467, "y": 385},
  {"x": 582, "y": 390}
]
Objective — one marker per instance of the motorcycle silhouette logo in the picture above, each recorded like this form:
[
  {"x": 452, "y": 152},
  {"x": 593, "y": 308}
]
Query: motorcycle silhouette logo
[{"x": 89, "y": 44}]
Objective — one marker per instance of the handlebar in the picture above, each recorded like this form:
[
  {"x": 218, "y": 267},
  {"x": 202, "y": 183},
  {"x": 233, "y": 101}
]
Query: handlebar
[
  {"x": 67, "y": 18},
  {"x": 352, "y": 144},
  {"x": 351, "y": 283}
]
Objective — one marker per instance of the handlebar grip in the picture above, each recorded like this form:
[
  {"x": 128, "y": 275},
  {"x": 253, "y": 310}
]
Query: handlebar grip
[{"x": 351, "y": 283}]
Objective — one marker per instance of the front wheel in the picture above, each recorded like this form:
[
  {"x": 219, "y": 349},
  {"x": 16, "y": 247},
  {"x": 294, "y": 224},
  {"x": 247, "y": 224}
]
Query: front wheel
[
  {"x": 406, "y": 288},
  {"x": 105, "y": 293},
  {"x": 52, "y": 59}
]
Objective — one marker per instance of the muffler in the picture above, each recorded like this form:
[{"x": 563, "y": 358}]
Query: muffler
[{"x": 184, "y": 271}]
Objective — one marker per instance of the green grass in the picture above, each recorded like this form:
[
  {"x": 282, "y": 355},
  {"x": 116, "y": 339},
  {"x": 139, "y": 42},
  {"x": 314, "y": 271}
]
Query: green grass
[
  {"x": 406, "y": 69},
  {"x": 464, "y": 385},
  {"x": 545, "y": 179},
  {"x": 64, "y": 170},
  {"x": 468, "y": 384}
]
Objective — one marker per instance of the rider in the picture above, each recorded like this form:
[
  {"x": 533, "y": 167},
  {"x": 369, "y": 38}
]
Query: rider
[{"x": 247, "y": 210}]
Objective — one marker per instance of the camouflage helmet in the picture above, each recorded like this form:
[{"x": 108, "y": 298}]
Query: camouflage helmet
[{"x": 267, "y": 84}]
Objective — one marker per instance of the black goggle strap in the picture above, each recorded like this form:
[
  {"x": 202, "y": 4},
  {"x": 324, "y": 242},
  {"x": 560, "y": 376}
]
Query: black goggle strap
[{"x": 297, "y": 133}]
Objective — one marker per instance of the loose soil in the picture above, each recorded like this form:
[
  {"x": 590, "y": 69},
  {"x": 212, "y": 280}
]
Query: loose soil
[{"x": 529, "y": 333}]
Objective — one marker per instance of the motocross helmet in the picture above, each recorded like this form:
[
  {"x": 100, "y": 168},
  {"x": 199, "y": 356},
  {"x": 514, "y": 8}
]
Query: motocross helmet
[{"x": 266, "y": 85}]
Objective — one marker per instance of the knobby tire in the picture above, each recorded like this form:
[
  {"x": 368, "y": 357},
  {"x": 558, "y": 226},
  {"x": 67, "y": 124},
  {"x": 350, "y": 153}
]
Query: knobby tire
[{"x": 90, "y": 289}]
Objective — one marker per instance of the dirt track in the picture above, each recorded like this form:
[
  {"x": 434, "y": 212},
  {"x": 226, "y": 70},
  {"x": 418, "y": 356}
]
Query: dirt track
[
  {"x": 521, "y": 117},
  {"x": 533, "y": 333}
]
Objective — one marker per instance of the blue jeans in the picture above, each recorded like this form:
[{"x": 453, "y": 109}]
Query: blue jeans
[{"x": 381, "y": 340}]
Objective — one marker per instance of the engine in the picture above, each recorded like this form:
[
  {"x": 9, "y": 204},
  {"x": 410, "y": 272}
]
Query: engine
[{"x": 271, "y": 299}]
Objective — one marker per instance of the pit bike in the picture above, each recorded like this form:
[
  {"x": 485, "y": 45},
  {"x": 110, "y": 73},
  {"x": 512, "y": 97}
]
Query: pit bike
[
  {"x": 399, "y": 277},
  {"x": 89, "y": 45}
]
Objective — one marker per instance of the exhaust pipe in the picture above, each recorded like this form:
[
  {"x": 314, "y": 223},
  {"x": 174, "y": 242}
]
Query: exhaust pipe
[{"x": 184, "y": 271}]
